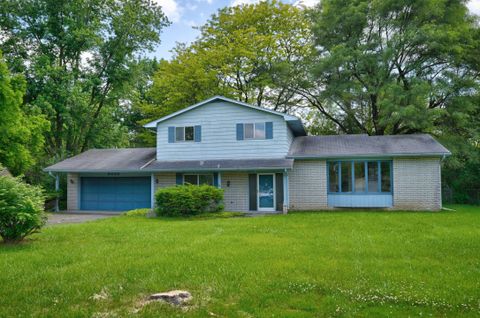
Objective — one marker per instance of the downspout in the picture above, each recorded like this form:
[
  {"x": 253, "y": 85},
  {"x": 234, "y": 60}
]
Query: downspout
[
  {"x": 57, "y": 188},
  {"x": 440, "y": 172},
  {"x": 286, "y": 199}
]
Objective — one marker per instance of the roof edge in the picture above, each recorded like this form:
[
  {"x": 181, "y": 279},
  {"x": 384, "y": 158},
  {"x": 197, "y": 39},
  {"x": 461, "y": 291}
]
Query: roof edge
[
  {"x": 387, "y": 155},
  {"x": 153, "y": 124}
]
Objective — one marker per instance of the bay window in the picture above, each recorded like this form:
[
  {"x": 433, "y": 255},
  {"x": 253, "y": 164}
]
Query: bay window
[{"x": 360, "y": 176}]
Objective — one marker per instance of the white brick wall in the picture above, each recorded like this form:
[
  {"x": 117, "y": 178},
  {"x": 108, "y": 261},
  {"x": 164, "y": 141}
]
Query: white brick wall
[
  {"x": 236, "y": 195},
  {"x": 72, "y": 191},
  {"x": 307, "y": 184},
  {"x": 417, "y": 184}
]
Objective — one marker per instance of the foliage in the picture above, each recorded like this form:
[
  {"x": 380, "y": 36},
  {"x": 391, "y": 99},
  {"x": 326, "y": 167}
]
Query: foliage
[
  {"x": 392, "y": 67},
  {"x": 329, "y": 264},
  {"x": 246, "y": 52},
  {"x": 185, "y": 200},
  {"x": 80, "y": 59},
  {"x": 137, "y": 212},
  {"x": 21, "y": 209},
  {"x": 21, "y": 129}
]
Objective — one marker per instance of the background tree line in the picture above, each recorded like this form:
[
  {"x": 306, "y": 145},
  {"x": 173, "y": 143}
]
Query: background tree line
[{"x": 74, "y": 76}]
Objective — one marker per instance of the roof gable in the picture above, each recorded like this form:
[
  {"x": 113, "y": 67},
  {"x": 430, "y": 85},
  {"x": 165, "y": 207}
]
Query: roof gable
[{"x": 288, "y": 118}]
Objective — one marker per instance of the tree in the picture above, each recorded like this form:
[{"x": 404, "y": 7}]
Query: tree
[
  {"x": 392, "y": 67},
  {"x": 247, "y": 52},
  {"x": 80, "y": 60},
  {"x": 21, "y": 133}
]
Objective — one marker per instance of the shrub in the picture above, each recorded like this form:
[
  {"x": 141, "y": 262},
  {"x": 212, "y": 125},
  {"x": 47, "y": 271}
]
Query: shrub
[
  {"x": 21, "y": 209},
  {"x": 137, "y": 212},
  {"x": 184, "y": 200}
]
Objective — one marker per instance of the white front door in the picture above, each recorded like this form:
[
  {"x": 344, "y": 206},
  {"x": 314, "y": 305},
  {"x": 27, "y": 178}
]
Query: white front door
[{"x": 266, "y": 192}]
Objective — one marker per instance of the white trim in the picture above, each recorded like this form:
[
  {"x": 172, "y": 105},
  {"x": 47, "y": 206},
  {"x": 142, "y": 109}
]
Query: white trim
[
  {"x": 258, "y": 192},
  {"x": 154, "y": 123}
]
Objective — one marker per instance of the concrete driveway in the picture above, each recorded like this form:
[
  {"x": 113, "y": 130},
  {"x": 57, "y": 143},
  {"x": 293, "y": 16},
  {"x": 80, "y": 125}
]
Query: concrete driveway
[{"x": 64, "y": 218}]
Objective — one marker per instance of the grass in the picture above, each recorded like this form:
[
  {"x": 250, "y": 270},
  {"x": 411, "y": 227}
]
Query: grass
[{"x": 345, "y": 264}]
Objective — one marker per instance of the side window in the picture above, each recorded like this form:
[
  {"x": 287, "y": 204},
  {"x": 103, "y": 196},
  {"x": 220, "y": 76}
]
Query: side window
[
  {"x": 248, "y": 130},
  {"x": 257, "y": 131},
  {"x": 186, "y": 133}
]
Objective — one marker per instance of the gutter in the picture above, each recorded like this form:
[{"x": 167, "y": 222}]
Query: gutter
[
  {"x": 170, "y": 170},
  {"x": 443, "y": 155}
]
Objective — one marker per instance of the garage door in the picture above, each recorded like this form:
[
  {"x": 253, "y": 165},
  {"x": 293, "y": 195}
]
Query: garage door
[{"x": 114, "y": 194}]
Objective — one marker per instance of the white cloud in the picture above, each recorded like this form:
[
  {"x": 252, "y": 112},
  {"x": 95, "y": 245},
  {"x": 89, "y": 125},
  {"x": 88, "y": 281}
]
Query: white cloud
[
  {"x": 307, "y": 3},
  {"x": 171, "y": 9},
  {"x": 474, "y": 6},
  {"x": 239, "y": 2}
]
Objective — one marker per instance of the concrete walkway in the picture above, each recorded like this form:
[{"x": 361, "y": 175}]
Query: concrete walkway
[{"x": 64, "y": 218}]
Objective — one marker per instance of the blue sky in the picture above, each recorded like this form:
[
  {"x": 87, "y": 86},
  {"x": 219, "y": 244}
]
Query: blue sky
[{"x": 186, "y": 14}]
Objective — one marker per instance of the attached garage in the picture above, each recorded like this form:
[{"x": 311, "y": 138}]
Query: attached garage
[{"x": 114, "y": 193}]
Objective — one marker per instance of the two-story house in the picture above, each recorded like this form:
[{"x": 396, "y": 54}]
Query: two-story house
[{"x": 264, "y": 160}]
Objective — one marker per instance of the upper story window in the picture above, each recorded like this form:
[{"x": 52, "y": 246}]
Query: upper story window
[
  {"x": 360, "y": 176},
  {"x": 254, "y": 131},
  {"x": 186, "y": 133},
  {"x": 260, "y": 130}
]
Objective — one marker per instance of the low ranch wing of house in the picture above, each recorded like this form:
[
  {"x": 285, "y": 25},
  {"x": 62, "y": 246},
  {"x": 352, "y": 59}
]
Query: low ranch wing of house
[{"x": 264, "y": 160}]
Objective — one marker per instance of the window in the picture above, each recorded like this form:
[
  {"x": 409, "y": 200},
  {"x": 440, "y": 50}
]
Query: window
[
  {"x": 360, "y": 180},
  {"x": 333, "y": 169},
  {"x": 359, "y": 176},
  {"x": 249, "y": 131},
  {"x": 198, "y": 179},
  {"x": 386, "y": 175},
  {"x": 254, "y": 131},
  {"x": 260, "y": 131},
  {"x": 346, "y": 176},
  {"x": 372, "y": 176},
  {"x": 185, "y": 133}
]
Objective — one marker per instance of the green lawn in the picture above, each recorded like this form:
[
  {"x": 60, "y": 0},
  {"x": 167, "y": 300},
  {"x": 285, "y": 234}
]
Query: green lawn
[{"x": 345, "y": 264}]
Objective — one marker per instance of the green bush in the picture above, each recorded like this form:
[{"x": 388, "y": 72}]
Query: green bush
[
  {"x": 137, "y": 212},
  {"x": 187, "y": 200},
  {"x": 21, "y": 209}
]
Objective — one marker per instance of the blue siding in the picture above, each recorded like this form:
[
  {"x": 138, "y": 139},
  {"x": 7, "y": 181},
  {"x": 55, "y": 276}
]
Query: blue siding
[
  {"x": 268, "y": 130},
  {"x": 198, "y": 133},
  {"x": 115, "y": 194},
  {"x": 219, "y": 134},
  {"x": 360, "y": 201}
]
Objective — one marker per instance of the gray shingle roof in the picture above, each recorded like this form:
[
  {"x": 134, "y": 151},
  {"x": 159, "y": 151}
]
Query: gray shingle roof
[
  {"x": 142, "y": 160},
  {"x": 102, "y": 160},
  {"x": 363, "y": 146},
  {"x": 227, "y": 164}
]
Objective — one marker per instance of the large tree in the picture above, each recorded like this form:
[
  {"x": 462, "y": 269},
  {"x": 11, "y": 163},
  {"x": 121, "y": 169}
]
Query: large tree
[
  {"x": 247, "y": 52},
  {"x": 395, "y": 66},
  {"x": 80, "y": 62},
  {"x": 21, "y": 132}
]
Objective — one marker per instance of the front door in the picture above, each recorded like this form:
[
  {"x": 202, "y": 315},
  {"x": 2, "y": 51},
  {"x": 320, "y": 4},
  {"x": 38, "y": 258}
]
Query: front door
[{"x": 266, "y": 192}]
